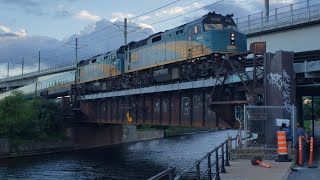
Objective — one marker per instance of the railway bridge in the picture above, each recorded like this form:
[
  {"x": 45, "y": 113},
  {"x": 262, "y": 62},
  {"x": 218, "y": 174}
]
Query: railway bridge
[{"x": 207, "y": 102}]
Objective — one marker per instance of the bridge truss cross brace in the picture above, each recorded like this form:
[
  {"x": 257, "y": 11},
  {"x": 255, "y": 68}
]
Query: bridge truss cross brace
[{"x": 251, "y": 83}]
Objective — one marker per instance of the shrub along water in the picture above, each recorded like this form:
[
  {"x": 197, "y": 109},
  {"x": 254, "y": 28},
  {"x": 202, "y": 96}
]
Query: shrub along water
[{"x": 22, "y": 119}]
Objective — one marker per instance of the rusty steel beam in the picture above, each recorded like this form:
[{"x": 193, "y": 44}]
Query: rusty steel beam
[{"x": 189, "y": 108}]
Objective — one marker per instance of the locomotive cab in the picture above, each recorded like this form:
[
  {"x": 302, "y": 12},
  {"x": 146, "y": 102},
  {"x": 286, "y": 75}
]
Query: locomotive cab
[{"x": 222, "y": 35}]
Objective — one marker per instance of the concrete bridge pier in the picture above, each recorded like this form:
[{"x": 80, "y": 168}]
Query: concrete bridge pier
[{"x": 95, "y": 135}]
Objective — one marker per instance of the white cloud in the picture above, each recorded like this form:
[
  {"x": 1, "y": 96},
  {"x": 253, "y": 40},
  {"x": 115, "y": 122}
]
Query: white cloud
[
  {"x": 86, "y": 15},
  {"x": 144, "y": 18},
  {"x": 119, "y": 16},
  {"x": 21, "y": 33},
  {"x": 4, "y": 29},
  {"x": 7, "y": 33},
  {"x": 144, "y": 25},
  {"x": 179, "y": 9}
]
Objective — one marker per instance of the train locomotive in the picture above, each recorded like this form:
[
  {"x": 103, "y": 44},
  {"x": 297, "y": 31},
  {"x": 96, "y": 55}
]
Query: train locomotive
[{"x": 187, "y": 52}]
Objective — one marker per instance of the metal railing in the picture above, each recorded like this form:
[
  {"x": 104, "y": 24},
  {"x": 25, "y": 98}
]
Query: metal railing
[
  {"x": 292, "y": 14},
  {"x": 203, "y": 169},
  {"x": 168, "y": 174},
  {"x": 56, "y": 68}
]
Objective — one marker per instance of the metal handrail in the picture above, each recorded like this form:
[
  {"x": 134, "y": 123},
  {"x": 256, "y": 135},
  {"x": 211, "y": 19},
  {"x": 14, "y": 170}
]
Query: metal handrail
[
  {"x": 70, "y": 65},
  {"x": 223, "y": 157},
  {"x": 169, "y": 173},
  {"x": 280, "y": 17}
]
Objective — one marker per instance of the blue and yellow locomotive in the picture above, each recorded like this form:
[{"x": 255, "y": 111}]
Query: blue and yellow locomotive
[{"x": 183, "y": 53}]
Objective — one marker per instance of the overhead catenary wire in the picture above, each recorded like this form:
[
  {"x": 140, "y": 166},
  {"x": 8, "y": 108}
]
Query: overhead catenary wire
[
  {"x": 182, "y": 7},
  {"x": 161, "y": 21},
  {"x": 143, "y": 14}
]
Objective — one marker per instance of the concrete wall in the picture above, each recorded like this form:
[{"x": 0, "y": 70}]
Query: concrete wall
[
  {"x": 4, "y": 146},
  {"x": 94, "y": 136},
  {"x": 130, "y": 134},
  {"x": 297, "y": 40}
]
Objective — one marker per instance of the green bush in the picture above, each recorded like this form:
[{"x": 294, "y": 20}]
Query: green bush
[{"x": 28, "y": 119}]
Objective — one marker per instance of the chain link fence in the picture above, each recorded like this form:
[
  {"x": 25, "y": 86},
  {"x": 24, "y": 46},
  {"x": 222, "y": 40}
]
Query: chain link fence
[{"x": 263, "y": 122}]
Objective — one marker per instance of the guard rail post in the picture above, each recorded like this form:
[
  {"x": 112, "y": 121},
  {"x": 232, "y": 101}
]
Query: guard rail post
[
  {"x": 248, "y": 23},
  {"x": 236, "y": 143},
  {"x": 262, "y": 20},
  {"x": 198, "y": 170},
  {"x": 209, "y": 167},
  {"x": 227, "y": 153},
  {"x": 291, "y": 13},
  {"x": 223, "y": 169},
  {"x": 217, "y": 165},
  {"x": 308, "y": 9},
  {"x": 171, "y": 175}
]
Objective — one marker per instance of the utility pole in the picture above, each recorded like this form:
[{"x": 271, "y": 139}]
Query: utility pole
[
  {"x": 22, "y": 65},
  {"x": 39, "y": 62},
  {"x": 266, "y": 4},
  {"x": 126, "y": 48},
  {"x": 76, "y": 50},
  {"x": 8, "y": 69},
  {"x": 312, "y": 114}
]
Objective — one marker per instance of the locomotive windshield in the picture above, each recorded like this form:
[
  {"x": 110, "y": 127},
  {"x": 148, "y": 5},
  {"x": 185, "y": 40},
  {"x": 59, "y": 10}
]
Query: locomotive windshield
[{"x": 218, "y": 22}]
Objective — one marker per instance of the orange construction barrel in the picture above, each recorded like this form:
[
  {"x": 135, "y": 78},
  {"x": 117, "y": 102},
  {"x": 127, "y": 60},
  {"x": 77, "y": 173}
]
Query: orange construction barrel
[{"x": 282, "y": 147}]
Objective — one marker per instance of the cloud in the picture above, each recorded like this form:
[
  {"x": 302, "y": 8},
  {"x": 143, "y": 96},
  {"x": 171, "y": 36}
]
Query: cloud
[
  {"x": 29, "y": 6},
  {"x": 6, "y": 32},
  {"x": 86, "y": 15},
  {"x": 119, "y": 16},
  {"x": 179, "y": 9},
  {"x": 62, "y": 12},
  {"x": 96, "y": 38},
  {"x": 4, "y": 29},
  {"x": 21, "y": 3}
]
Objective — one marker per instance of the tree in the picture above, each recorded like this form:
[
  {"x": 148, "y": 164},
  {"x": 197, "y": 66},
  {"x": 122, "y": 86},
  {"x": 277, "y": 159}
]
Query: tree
[{"x": 28, "y": 119}]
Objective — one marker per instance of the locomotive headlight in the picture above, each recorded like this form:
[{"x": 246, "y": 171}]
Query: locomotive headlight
[{"x": 232, "y": 38}]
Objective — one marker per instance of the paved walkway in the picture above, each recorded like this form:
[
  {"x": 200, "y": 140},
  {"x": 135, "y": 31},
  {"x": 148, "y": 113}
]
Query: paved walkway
[
  {"x": 244, "y": 170},
  {"x": 309, "y": 173}
]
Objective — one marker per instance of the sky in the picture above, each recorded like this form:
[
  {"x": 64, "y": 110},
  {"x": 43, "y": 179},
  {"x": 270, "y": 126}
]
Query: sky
[{"x": 51, "y": 26}]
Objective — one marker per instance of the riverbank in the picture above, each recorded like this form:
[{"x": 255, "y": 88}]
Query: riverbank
[
  {"x": 130, "y": 135},
  {"x": 34, "y": 148},
  {"x": 136, "y": 160}
]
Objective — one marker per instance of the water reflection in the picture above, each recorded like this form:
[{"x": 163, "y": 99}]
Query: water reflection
[{"x": 130, "y": 161}]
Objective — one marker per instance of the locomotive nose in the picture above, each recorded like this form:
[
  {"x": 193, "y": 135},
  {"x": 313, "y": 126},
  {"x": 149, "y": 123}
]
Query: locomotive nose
[{"x": 229, "y": 41}]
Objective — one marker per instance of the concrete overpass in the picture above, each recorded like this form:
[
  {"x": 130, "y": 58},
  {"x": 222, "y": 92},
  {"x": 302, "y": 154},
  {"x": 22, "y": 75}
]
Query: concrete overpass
[
  {"x": 290, "y": 28},
  {"x": 33, "y": 77}
]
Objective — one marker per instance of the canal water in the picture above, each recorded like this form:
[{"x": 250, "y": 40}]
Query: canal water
[{"x": 139, "y": 160}]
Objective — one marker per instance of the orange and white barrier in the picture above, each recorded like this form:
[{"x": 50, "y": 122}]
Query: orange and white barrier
[
  {"x": 282, "y": 147},
  {"x": 263, "y": 164},
  {"x": 300, "y": 150},
  {"x": 311, "y": 152}
]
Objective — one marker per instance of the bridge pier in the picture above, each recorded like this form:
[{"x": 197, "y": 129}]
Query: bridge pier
[{"x": 96, "y": 135}]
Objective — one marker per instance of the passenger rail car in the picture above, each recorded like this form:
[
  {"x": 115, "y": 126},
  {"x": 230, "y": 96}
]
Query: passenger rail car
[{"x": 183, "y": 53}]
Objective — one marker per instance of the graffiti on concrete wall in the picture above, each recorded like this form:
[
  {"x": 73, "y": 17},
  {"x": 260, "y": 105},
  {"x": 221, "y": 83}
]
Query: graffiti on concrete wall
[{"x": 282, "y": 81}]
